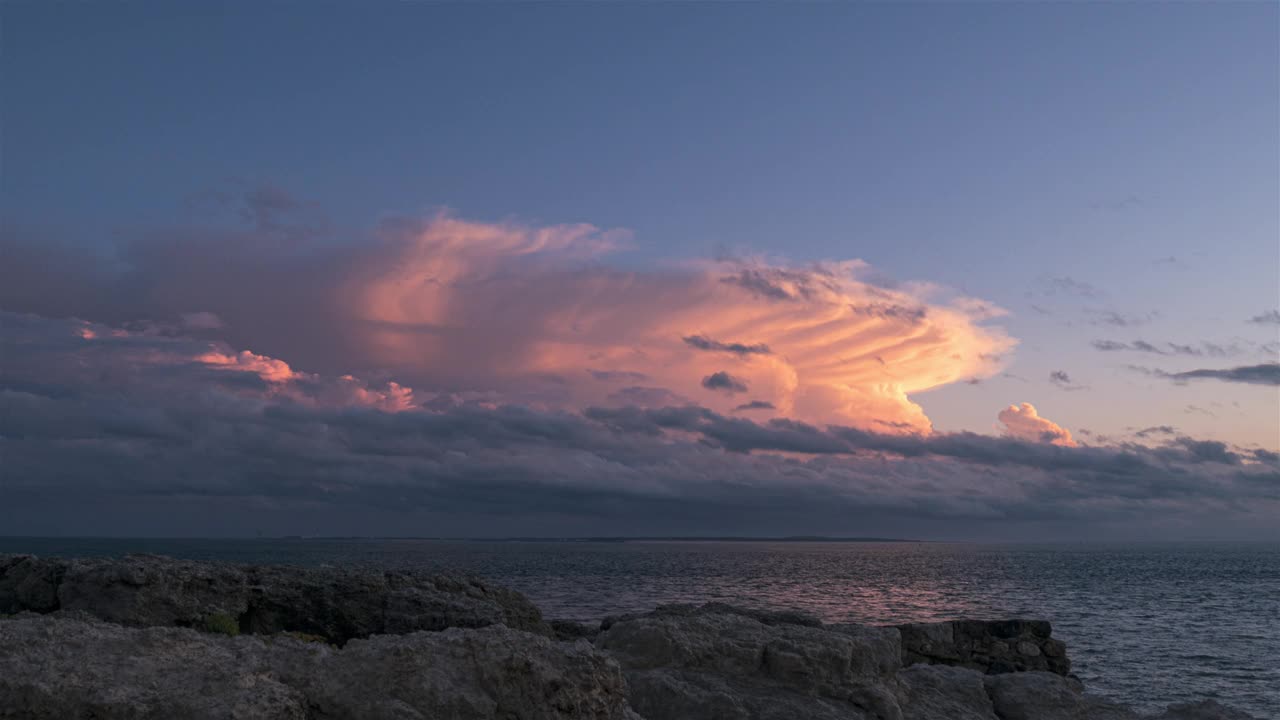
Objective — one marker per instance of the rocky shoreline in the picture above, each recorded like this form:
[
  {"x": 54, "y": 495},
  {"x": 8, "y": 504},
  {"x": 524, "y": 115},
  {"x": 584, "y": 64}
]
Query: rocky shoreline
[{"x": 155, "y": 637}]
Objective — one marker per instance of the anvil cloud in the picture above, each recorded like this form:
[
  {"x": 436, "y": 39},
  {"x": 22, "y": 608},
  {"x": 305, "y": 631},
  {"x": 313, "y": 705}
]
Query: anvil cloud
[
  {"x": 534, "y": 315},
  {"x": 94, "y": 417}
]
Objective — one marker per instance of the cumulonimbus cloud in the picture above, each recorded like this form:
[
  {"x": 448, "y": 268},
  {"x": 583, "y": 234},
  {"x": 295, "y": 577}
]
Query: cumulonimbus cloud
[
  {"x": 536, "y": 315},
  {"x": 95, "y": 416}
]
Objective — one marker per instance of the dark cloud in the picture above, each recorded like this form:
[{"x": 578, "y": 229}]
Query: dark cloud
[
  {"x": 890, "y": 311},
  {"x": 760, "y": 284},
  {"x": 1156, "y": 430},
  {"x": 702, "y": 342},
  {"x": 1118, "y": 319},
  {"x": 1264, "y": 374},
  {"x": 755, "y": 405},
  {"x": 1064, "y": 381},
  {"x": 612, "y": 375},
  {"x": 1203, "y": 349},
  {"x": 1066, "y": 285},
  {"x": 725, "y": 382},
  {"x": 137, "y": 430},
  {"x": 1270, "y": 317}
]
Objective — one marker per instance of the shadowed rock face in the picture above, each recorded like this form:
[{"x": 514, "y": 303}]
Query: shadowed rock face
[
  {"x": 338, "y": 605},
  {"x": 992, "y": 647},
  {"x": 57, "y": 668}
]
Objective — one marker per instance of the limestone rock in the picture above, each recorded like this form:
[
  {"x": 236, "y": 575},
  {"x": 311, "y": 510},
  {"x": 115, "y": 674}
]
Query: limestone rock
[
  {"x": 56, "y": 668},
  {"x": 146, "y": 590},
  {"x": 29, "y": 583},
  {"x": 998, "y": 646},
  {"x": 1047, "y": 696},
  {"x": 939, "y": 692},
  {"x": 715, "y": 662}
]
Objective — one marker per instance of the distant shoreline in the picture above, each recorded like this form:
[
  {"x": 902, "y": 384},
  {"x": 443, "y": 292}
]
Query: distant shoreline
[{"x": 518, "y": 539}]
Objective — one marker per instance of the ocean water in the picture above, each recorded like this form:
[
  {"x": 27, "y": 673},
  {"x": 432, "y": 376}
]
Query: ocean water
[{"x": 1147, "y": 624}]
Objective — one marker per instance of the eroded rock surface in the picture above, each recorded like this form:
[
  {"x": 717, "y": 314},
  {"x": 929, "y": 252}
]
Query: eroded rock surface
[
  {"x": 996, "y": 646},
  {"x": 717, "y": 662},
  {"x": 55, "y": 668},
  {"x": 146, "y": 590}
]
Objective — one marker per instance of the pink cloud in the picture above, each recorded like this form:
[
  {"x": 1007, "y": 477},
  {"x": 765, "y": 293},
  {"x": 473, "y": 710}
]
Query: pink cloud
[
  {"x": 540, "y": 317},
  {"x": 1024, "y": 423},
  {"x": 488, "y": 305}
]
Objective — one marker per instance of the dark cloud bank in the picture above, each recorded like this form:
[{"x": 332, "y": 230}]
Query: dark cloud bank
[{"x": 129, "y": 434}]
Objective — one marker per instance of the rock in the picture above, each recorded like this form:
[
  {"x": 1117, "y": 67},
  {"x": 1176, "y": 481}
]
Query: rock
[
  {"x": 720, "y": 662},
  {"x": 992, "y": 647},
  {"x": 1047, "y": 696},
  {"x": 145, "y": 590},
  {"x": 56, "y": 668},
  {"x": 29, "y": 583},
  {"x": 573, "y": 630},
  {"x": 940, "y": 692}
]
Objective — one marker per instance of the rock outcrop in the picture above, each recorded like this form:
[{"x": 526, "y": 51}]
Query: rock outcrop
[
  {"x": 134, "y": 638},
  {"x": 338, "y": 605},
  {"x": 56, "y": 668},
  {"x": 992, "y": 647}
]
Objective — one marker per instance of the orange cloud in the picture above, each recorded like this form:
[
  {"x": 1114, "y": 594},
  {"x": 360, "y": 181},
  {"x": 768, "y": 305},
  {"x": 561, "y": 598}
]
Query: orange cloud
[
  {"x": 532, "y": 312},
  {"x": 1023, "y": 422}
]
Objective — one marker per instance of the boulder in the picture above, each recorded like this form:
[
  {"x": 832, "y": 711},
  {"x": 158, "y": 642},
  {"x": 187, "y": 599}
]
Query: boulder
[
  {"x": 995, "y": 646},
  {"x": 720, "y": 662},
  {"x": 29, "y": 583},
  {"x": 941, "y": 692},
  {"x": 1048, "y": 696},
  {"x": 59, "y": 668}
]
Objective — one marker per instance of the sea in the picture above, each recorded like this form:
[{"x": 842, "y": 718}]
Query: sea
[{"x": 1147, "y": 624}]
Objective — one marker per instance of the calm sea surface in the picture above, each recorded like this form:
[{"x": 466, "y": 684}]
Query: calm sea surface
[{"x": 1148, "y": 624}]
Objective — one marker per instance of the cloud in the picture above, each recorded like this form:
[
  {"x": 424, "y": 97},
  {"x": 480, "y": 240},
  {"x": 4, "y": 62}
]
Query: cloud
[
  {"x": 724, "y": 381},
  {"x": 1270, "y": 317},
  {"x": 101, "y": 422},
  {"x": 1169, "y": 348},
  {"x": 704, "y": 343},
  {"x": 525, "y": 313},
  {"x": 1156, "y": 430},
  {"x": 1051, "y": 285},
  {"x": 1023, "y": 422},
  {"x": 1064, "y": 381},
  {"x": 755, "y": 405},
  {"x": 201, "y": 321},
  {"x": 96, "y": 423},
  {"x": 1118, "y": 319},
  {"x": 1264, "y": 374}
]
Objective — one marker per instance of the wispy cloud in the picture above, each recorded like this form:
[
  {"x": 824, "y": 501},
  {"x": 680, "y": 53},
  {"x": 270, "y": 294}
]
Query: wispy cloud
[
  {"x": 1201, "y": 349},
  {"x": 1263, "y": 374},
  {"x": 1270, "y": 317},
  {"x": 1063, "y": 380}
]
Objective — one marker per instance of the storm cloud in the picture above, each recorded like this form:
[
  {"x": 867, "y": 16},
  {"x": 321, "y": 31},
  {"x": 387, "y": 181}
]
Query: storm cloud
[
  {"x": 91, "y": 415},
  {"x": 534, "y": 315}
]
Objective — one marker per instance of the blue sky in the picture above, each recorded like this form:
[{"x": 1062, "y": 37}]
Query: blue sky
[{"x": 1106, "y": 173}]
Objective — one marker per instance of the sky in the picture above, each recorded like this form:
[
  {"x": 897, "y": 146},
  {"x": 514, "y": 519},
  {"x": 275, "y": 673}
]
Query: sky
[{"x": 954, "y": 271}]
